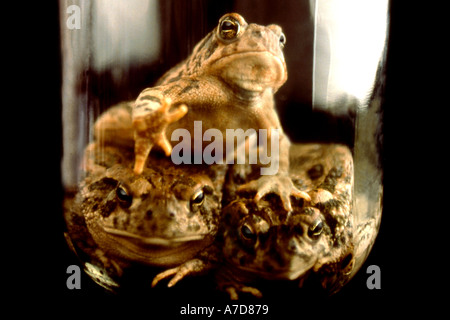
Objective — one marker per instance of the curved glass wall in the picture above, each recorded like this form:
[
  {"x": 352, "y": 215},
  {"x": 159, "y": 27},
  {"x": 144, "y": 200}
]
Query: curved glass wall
[{"x": 329, "y": 107}]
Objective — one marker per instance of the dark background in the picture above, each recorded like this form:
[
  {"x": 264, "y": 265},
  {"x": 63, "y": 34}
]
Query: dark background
[{"x": 36, "y": 256}]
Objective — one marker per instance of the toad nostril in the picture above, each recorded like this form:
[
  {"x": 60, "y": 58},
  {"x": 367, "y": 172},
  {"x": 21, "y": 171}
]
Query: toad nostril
[
  {"x": 171, "y": 215},
  {"x": 316, "y": 171},
  {"x": 257, "y": 33},
  {"x": 293, "y": 245},
  {"x": 149, "y": 214}
]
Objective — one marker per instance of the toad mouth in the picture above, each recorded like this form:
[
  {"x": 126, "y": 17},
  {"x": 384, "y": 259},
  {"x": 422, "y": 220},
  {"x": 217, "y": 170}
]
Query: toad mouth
[
  {"x": 266, "y": 55},
  {"x": 265, "y": 69},
  {"x": 286, "y": 273},
  {"x": 153, "y": 241}
]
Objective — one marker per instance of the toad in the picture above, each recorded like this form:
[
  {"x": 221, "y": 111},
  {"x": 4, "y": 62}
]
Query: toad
[
  {"x": 264, "y": 242},
  {"x": 228, "y": 82},
  {"x": 161, "y": 217}
]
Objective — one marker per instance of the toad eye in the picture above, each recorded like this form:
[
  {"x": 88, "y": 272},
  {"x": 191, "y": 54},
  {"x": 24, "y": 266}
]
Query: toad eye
[
  {"x": 247, "y": 233},
  {"x": 229, "y": 28},
  {"x": 198, "y": 198},
  {"x": 315, "y": 229},
  {"x": 124, "y": 197},
  {"x": 282, "y": 40}
]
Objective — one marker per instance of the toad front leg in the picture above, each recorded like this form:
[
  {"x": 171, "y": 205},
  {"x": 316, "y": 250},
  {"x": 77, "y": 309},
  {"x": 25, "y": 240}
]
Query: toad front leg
[
  {"x": 151, "y": 116},
  {"x": 194, "y": 266},
  {"x": 278, "y": 182},
  {"x": 205, "y": 261},
  {"x": 230, "y": 281}
]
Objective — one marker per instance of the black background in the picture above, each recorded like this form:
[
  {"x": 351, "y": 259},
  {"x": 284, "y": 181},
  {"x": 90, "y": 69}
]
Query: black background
[{"x": 35, "y": 254}]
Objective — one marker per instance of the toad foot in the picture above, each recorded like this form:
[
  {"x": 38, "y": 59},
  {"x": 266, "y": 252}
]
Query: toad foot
[
  {"x": 233, "y": 291},
  {"x": 281, "y": 185},
  {"x": 190, "y": 267}
]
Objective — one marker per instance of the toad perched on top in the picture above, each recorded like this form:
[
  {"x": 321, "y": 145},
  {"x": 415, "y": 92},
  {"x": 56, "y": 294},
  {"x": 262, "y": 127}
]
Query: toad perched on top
[{"x": 228, "y": 82}]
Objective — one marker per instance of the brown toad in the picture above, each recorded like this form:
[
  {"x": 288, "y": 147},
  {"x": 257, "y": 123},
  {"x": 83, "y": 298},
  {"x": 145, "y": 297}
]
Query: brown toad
[
  {"x": 228, "y": 82},
  {"x": 264, "y": 241},
  {"x": 162, "y": 217}
]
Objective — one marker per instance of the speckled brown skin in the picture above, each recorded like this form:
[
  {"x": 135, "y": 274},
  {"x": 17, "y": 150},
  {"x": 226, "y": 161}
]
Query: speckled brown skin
[
  {"x": 264, "y": 241},
  {"x": 261, "y": 240},
  {"x": 162, "y": 217},
  {"x": 228, "y": 82}
]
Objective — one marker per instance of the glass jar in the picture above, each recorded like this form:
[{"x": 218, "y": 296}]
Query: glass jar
[{"x": 335, "y": 53}]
